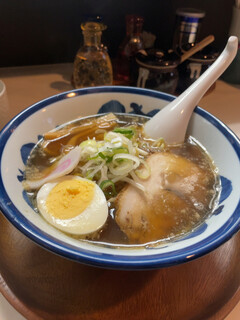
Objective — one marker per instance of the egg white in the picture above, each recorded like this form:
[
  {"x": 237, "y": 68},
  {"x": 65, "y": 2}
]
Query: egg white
[{"x": 88, "y": 221}]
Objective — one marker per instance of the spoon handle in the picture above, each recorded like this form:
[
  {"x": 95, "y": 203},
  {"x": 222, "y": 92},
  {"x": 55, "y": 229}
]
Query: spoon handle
[
  {"x": 199, "y": 46},
  {"x": 171, "y": 122}
]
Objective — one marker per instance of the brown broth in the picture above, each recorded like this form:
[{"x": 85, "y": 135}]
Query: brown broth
[{"x": 178, "y": 224}]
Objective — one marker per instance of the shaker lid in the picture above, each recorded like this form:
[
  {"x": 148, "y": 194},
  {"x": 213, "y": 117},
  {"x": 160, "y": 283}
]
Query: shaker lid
[
  {"x": 157, "y": 59},
  {"x": 190, "y": 12},
  {"x": 93, "y": 18},
  {"x": 204, "y": 56}
]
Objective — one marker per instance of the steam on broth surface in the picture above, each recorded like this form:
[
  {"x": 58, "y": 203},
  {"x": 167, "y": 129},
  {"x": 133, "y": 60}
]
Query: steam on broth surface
[{"x": 154, "y": 192}]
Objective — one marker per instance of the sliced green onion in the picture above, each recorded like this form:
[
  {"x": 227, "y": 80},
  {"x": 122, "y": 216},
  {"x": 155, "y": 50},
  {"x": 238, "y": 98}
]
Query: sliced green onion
[
  {"x": 120, "y": 169},
  {"x": 88, "y": 149},
  {"x": 93, "y": 158},
  {"x": 89, "y": 175},
  {"x": 109, "y": 153},
  {"x": 142, "y": 152},
  {"x": 117, "y": 142},
  {"x": 144, "y": 172},
  {"x": 107, "y": 184},
  {"x": 90, "y": 142},
  {"x": 122, "y": 164},
  {"x": 128, "y": 132},
  {"x": 134, "y": 159},
  {"x": 112, "y": 136},
  {"x": 87, "y": 165},
  {"x": 104, "y": 174},
  {"x": 120, "y": 150}
]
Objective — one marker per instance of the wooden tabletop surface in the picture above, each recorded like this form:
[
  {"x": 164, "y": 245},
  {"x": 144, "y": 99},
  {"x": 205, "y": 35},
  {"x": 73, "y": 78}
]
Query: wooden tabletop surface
[{"x": 42, "y": 285}]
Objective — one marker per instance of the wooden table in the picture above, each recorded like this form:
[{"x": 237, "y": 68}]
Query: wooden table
[{"x": 41, "y": 285}]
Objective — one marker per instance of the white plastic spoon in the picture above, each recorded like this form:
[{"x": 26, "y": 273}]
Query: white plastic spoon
[{"x": 171, "y": 122}]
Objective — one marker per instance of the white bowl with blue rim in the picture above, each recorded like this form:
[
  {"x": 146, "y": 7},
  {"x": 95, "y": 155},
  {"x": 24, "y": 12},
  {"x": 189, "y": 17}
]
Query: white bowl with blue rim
[{"x": 21, "y": 134}]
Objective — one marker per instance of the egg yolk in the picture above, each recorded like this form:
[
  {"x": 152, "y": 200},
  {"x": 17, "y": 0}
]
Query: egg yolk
[{"x": 69, "y": 198}]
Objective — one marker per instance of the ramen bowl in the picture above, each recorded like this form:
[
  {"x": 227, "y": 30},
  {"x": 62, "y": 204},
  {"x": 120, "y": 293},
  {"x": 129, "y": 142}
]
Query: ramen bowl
[{"x": 20, "y": 135}]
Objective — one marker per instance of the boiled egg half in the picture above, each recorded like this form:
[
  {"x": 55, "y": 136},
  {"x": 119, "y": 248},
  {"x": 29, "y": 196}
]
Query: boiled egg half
[{"x": 73, "y": 204}]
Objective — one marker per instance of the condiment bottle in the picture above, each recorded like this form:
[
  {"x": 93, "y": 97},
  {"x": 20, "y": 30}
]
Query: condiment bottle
[
  {"x": 92, "y": 64},
  {"x": 187, "y": 27},
  {"x": 133, "y": 42}
]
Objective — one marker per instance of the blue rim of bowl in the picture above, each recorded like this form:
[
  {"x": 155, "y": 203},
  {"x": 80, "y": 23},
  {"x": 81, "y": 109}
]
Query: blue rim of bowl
[{"x": 106, "y": 260}]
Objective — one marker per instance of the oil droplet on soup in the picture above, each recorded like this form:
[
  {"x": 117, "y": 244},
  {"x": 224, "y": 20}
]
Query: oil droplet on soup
[{"x": 172, "y": 191}]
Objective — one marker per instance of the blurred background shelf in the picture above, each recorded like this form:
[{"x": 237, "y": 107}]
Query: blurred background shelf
[{"x": 44, "y": 32}]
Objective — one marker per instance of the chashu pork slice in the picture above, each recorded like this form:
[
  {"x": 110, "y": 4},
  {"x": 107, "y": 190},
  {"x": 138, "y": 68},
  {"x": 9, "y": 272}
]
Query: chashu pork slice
[{"x": 176, "y": 195}]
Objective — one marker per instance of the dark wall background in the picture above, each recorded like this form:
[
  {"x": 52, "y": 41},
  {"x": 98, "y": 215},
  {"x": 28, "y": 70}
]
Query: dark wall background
[{"x": 48, "y": 31}]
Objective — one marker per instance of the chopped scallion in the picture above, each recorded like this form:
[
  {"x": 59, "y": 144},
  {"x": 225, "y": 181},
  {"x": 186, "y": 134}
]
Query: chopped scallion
[
  {"x": 127, "y": 132},
  {"x": 108, "y": 184}
]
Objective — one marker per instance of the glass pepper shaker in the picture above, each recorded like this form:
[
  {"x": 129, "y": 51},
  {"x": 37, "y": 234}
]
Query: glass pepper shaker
[{"x": 92, "y": 64}]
